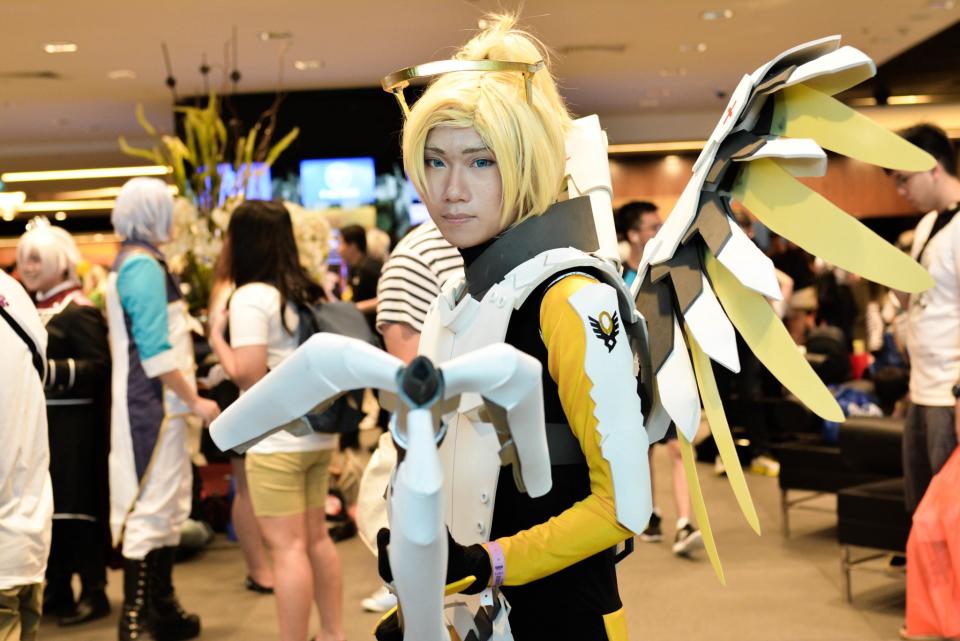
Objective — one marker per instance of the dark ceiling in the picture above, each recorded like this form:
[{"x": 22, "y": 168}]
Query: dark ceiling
[{"x": 931, "y": 68}]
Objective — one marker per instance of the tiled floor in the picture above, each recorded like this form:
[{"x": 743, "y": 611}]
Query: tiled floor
[{"x": 777, "y": 589}]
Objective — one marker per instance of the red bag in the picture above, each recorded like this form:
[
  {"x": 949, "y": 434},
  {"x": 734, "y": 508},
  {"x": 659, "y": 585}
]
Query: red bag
[{"x": 933, "y": 557}]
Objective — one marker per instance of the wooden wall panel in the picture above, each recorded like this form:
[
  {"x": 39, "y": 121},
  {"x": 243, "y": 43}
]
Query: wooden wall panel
[{"x": 857, "y": 187}]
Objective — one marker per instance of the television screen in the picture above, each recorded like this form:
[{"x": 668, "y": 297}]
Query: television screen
[
  {"x": 347, "y": 182},
  {"x": 259, "y": 186},
  {"x": 417, "y": 210}
]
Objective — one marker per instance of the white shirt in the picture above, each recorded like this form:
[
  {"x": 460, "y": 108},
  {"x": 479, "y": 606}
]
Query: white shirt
[
  {"x": 255, "y": 320},
  {"x": 26, "y": 497},
  {"x": 933, "y": 317}
]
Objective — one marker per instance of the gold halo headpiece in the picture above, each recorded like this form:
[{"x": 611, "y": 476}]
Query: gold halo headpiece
[{"x": 396, "y": 82}]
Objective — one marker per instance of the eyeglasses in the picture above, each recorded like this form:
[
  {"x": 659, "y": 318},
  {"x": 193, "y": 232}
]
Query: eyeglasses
[{"x": 396, "y": 82}]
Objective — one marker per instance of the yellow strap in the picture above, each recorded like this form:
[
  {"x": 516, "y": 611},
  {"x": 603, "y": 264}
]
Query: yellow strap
[
  {"x": 713, "y": 407},
  {"x": 451, "y": 588},
  {"x": 615, "y": 625},
  {"x": 796, "y": 212},
  {"x": 803, "y": 112},
  {"x": 699, "y": 507},
  {"x": 766, "y": 337}
]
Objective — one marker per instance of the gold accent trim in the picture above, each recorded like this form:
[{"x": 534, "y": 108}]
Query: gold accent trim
[{"x": 397, "y": 81}]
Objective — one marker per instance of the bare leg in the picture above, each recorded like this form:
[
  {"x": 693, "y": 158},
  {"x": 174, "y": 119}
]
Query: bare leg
[
  {"x": 327, "y": 577},
  {"x": 286, "y": 537},
  {"x": 246, "y": 528},
  {"x": 681, "y": 493}
]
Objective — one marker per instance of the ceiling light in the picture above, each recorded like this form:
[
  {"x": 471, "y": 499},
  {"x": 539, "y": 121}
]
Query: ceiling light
[
  {"x": 122, "y": 74},
  {"x": 10, "y": 202},
  {"x": 276, "y": 35},
  {"x": 103, "y": 192},
  {"x": 673, "y": 72},
  {"x": 866, "y": 101},
  {"x": 60, "y": 215},
  {"x": 700, "y": 47},
  {"x": 717, "y": 14},
  {"x": 656, "y": 147},
  {"x": 303, "y": 65},
  {"x": 941, "y": 4},
  {"x": 60, "y": 47},
  {"x": 59, "y": 205},
  {"x": 920, "y": 99},
  {"x": 79, "y": 174}
]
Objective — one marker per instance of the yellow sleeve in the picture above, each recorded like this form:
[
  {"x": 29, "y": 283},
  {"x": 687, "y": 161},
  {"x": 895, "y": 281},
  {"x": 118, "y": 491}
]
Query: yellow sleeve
[{"x": 589, "y": 526}]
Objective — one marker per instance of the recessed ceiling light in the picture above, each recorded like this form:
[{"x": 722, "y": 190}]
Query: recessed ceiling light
[
  {"x": 659, "y": 92},
  {"x": 276, "y": 35},
  {"x": 917, "y": 99},
  {"x": 60, "y": 215},
  {"x": 673, "y": 72},
  {"x": 60, "y": 47},
  {"x": 122, "y": 74},
  {"x": 941, "y": 4},
  {"x": 717, "y": 14},
  {"x": 303, "y": 65},
  {"x": 699, "y": 47}
]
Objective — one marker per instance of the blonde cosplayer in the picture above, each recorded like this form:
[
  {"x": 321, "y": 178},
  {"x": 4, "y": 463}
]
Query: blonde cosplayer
[{"x": 538, "y": 276}]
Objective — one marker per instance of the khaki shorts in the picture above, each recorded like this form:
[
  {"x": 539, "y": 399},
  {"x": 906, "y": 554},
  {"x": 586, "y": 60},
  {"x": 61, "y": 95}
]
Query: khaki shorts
[
  {"x": 287, "y": 483},
  {"x": 20, "y": 612}
]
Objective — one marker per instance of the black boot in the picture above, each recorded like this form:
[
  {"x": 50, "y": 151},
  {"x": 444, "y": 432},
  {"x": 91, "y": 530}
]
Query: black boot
[
  {"x": 134, "y": 624},
  {"x": 92, "y": 606},
  {"x": 170, "y": 621},
  {"x": 87, "y": 551}
]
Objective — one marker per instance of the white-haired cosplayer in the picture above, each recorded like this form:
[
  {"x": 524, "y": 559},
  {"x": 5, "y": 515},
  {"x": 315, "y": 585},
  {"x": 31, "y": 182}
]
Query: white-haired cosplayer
[
  {"x": 76, "y": 389},
  {"x": 153, "y": 393}
]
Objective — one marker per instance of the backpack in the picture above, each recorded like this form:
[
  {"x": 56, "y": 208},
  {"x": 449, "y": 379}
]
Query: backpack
[{"x": 335, "y": 317}]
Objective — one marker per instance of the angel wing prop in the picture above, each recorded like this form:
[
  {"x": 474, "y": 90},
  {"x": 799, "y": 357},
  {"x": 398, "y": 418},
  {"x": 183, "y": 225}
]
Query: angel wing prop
[
  {"x": 328, "y": 365},
  {"x": 702, "y": 279}
]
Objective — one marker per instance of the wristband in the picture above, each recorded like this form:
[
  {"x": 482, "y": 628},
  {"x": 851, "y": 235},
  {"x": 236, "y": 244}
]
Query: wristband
[{"x": 497, "y": 562}]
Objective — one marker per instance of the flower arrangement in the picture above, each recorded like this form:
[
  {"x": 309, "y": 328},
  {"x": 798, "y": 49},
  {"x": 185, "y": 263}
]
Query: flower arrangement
[{"x": 199, "y": 218}]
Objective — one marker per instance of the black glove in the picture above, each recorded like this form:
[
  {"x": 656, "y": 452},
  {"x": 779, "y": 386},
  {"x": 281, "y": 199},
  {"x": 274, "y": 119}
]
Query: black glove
[
  {"x": 389, "y": 628},
  {"x": 462, "y": 561}
]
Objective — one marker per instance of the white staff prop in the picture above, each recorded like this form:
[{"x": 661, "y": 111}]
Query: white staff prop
[{"x": 328, "y": 365}]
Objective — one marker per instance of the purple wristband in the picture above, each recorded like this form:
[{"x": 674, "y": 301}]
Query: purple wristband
[{"x": 497, "y": 561}]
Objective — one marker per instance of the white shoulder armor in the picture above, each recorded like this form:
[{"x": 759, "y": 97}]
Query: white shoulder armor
[
  {"x": 608, "y": 363},
  {"x": 588, "y": 174}
]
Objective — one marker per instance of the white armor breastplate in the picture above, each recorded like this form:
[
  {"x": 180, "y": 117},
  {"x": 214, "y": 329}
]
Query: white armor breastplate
[{"x": 457, "y": 324}]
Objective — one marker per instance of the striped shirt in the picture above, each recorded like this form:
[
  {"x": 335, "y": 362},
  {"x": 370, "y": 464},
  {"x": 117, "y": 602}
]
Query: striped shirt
[{"x": 413, "y": 276}]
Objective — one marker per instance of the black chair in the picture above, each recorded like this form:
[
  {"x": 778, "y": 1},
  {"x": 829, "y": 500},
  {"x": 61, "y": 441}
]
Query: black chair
[
  {"x": 871, "y": 515},
  {"x": 808, "y": 466}
]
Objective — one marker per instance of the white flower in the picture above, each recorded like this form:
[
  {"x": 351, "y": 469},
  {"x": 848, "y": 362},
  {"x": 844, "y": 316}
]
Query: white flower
[{"x": 312, "y": 233}]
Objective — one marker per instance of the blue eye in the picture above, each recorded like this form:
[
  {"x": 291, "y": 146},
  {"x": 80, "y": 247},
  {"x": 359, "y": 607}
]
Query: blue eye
[
  {"x": 433, "y": 163},
  {"x": 484, "y": 162}
]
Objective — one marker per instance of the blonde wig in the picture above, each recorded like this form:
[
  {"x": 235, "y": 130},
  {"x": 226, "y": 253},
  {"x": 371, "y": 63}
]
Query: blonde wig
[{"x": 526, "y": 136}]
